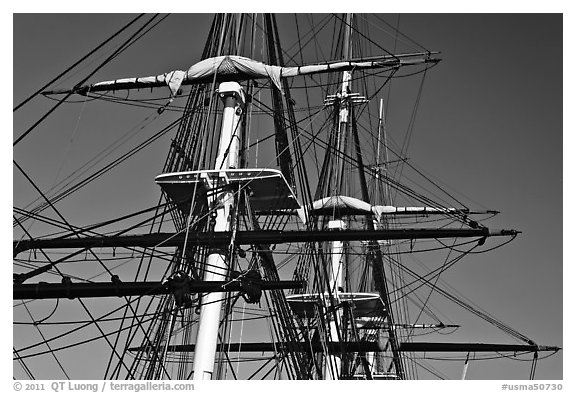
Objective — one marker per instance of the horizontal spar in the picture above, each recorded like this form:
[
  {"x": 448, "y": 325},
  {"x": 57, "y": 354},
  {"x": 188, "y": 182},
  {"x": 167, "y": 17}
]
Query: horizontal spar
[
  {"x": 366, "y": 346},
  {"x": 103, "y": 289},
  {"x": 472, "y": 347},
  {"x": 236, "y": 68},
  {"x": 251, "y": 237}
]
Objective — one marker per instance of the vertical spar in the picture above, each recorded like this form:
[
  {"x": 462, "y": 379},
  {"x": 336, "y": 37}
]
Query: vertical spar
[
  {"x": 222, "y": 202},
  {"x": 336, "y": 281},
  {"x": 338, "y": 247},
  {"x": 344, "y": 102}
]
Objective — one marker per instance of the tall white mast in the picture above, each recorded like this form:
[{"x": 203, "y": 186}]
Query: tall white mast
[
  {"x": 222, "y": 202},
  {"x": 333, "y": 365}
]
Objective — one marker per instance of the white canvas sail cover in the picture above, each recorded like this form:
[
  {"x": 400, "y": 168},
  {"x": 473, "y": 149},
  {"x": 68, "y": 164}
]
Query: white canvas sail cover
[
  {"x": 241, "y": 68},
  {"x": 340, "y": 204},
  {"x": 234, "y": 65},
  {"x": 223, "y": 66}
]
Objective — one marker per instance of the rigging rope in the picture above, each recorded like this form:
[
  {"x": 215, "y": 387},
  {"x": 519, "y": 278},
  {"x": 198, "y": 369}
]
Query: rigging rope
[
  {"x": 52, "y": 264},
  {"x": 32, "y": 127},
  {"x": 76, "y": 63},
  {"x": 398, "y": 32},
  {"x": 533, "y": 368},
  {"x": 44, "y": 338},
  {"x": 64, "y": 193},
  {"x": 23, "y": 364}
]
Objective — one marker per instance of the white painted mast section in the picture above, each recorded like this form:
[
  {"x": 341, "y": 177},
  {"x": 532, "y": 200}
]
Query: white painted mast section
[
  {"x": 333, "y": 366},
  {"x": 336, "y": 280},
  {"x": 228, "y": 150},
  {"x": 229, "y": 146},
  {"x": 344, "y": 105}
]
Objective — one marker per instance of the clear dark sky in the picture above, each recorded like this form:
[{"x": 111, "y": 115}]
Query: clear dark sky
[{"x": 490, "y": 126}]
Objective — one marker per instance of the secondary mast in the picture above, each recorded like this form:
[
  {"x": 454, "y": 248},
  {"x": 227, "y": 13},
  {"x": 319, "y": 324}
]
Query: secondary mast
[{"x": 333, "y": 367}]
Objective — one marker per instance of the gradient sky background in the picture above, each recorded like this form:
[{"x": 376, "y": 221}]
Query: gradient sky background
[{"x": 490, "y": 126}]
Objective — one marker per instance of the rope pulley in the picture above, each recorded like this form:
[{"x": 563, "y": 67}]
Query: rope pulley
[
  {"x": 250, "y": 285},
  {"x": 178, "y": 283}
]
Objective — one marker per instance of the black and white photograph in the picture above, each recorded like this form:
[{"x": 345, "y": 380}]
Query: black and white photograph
[{"x": 288, "y": 196}]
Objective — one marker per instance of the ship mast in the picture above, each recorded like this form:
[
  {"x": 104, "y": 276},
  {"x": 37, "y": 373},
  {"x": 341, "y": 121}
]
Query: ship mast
[
  {"x": 347, "y": 99},
  {"x": 232, "y": 95},
  {"x": 231, "y": 188},
  {"x": 333, "y": 366}
]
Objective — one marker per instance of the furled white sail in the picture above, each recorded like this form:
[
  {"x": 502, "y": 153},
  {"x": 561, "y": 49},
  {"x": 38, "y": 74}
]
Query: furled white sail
[
  {"x": 341, "y": 204},
  {"x": 226, "y": 68}
]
